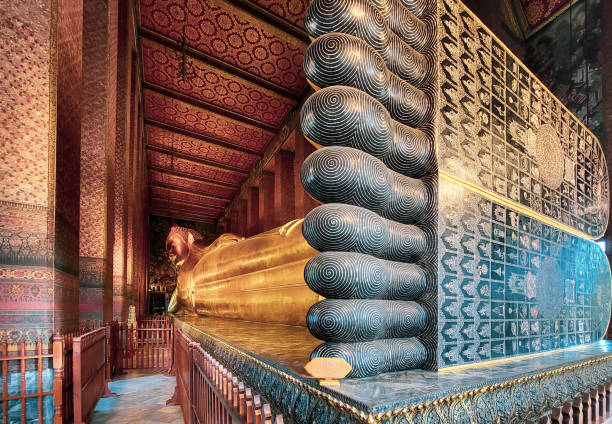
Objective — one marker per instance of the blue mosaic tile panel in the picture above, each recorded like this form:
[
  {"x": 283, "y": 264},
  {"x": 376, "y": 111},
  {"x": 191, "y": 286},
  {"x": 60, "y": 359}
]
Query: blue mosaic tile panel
[
  {"x": 500, "y": 129},
  {"x": 510, "y": 285}
]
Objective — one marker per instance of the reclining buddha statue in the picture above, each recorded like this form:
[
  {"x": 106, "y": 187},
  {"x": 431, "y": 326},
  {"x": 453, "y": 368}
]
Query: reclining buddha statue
[
  {"x": 259, "y": 278},
  {"x": 460, "y": 201}
]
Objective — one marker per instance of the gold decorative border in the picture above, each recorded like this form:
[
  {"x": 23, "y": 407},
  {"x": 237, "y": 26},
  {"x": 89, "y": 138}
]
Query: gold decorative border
[{"x": 525, "y": 210}]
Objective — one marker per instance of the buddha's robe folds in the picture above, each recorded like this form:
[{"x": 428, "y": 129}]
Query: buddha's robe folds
[{"x": 260, "y": 278}]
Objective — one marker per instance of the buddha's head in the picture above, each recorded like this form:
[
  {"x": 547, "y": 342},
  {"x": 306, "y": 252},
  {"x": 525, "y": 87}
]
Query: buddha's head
[{"x": 179, "y": 242}]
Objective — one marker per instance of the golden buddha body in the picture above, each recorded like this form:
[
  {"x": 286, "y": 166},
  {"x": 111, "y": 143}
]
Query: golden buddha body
[{"x": 260, "y": 278}]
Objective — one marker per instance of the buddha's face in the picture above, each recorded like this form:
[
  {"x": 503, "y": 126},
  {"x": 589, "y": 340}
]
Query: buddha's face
[{"x": 177, "y": 249}]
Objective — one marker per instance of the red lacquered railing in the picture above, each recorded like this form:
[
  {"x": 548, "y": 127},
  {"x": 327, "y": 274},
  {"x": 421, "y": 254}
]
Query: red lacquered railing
[
  {"x": 146, "y": 346},
  {"x": 19, "y": 360},
  {"x": 209, "y": 394},
  {"x": 89, "y": 375}
]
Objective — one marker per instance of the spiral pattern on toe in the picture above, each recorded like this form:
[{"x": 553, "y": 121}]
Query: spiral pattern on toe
[
  {"x": 357, "y": 320},
  {"x": 372, "y": 64},
  {"x": 349, "y": 275},
  {"x": 346, "y": 228},
  {"x": 407, "y": 243},
  {"x": 346, "y": 175},
  {"x": 404, "y": 23},
  {"x": 341, "y": 59},
  {"x": 326, "y": 16},
  {"x": 372, "y": 358},
  {"x": 362, "y": 19},
  {"x": 418, "y": 7},
  {"x": 345, "y": 116},
  {"x": 411, "y": 153},
  {"x": 406, "y": 281}
]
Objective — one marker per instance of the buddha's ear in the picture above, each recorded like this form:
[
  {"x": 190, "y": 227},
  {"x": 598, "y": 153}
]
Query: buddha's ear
[{"x": 190, "y": 239}]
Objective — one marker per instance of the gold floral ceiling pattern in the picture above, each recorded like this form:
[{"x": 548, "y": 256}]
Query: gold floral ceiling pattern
[{"x": 219, "y": 78}]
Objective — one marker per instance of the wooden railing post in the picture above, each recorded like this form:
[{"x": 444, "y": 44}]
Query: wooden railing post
[
  {"x": 566, "y": 411},
  {"x": 209, "y": 393},
  {"x": 257, "y": 409},
  {"x": 249, "y": 405},
  {"x": 577, "y": 410},
  {"x": 4, "y": 354},
  {"x": 22, "y": 353},
  {"x": 608, "y": 388},
  {"x": 109, "y": 359},
  {"x": 192, "y": 346},
  {"x": 58, "y": 378},
  {"x": 586, "y": 408},
  {"x": 594, "y": 406},
  {"x": 601, "y": 392},
  {"x": 171, "y": 352}
]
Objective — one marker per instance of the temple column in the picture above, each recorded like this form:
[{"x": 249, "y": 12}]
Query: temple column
[
  {"x": 234, "y": 222},
  {"x": 303, "y": 202},
  {"x": 221, "y": 226},
  {"x": 266, "y": 201},
  {"x": 39, "y": 214},
  {"x": 97, "y": 159},
  {"x": 253, "y": 225},
  {"x": 284, "y": 188},
  {"x": 242, "y": 217},
  {"x": 124, "y": 67}
]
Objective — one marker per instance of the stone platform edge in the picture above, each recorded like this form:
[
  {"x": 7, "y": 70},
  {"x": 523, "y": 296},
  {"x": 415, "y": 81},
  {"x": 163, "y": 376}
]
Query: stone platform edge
[{"x": 303, "y": 400}]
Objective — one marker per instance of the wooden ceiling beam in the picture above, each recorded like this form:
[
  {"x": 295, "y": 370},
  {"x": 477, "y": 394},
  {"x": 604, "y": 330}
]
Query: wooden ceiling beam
[
  {"x": 217, "y": 63},
  {"x": 194, "y": 177},
  {"x": 187, "y": 191},
  {"x": 274, "y": 20},
  {"x": 180, "y": 202},
  {"x": 208, "y": 106},
  {"x": 195, "y": 135},
  {"x": 198, "y": 160},
  {"x": 183, "y": 215},
  {"x": 163, "y": 204}
]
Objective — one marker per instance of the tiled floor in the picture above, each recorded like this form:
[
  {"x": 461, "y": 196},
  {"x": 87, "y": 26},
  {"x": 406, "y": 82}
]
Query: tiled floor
[{"x": 141, "y": 398}]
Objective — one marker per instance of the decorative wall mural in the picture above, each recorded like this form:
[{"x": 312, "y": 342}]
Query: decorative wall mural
[
  {"x": 510, "y": 284},
  {"x": 501, "y": 130},
  {"x": 460, "y": 195},
  {"x": 538, "y": 12}
]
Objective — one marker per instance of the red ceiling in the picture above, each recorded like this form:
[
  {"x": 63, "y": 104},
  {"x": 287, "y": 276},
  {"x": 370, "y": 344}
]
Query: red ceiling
[
  {"x": 201, "y": 121},
  {"x": 194, "y": 169},
  {"x": 292, "y": 10},
  {"x": 160, "y": 178},
  {"x": 208, "y": 126},
  {"x": 173, "y": 195},
  {"x": 177, "y": 143},
  {"x": 219, "y": 29},
  {"x": 220, "y": 88}
]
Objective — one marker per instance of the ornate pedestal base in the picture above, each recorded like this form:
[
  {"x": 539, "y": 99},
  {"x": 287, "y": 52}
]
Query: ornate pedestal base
[{"x": 270, "y": 358}]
